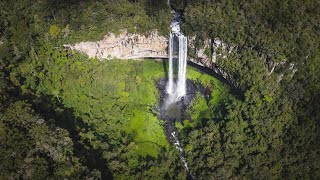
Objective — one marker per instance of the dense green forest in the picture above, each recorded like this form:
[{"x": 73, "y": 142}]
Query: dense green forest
[
  {"x": 273, "y": 130},
  {"x": 63, "y": 115}
]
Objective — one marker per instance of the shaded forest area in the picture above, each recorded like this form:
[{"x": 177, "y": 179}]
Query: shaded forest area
[{"x": 271, "y": 131}]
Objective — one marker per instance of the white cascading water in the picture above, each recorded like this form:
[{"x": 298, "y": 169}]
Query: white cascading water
[
  {"x": 178, "y": 146},
  {"x": 178, "y": 89},
  {"x": 170, "y": 80},
  {"x": 181, "y": 85}
]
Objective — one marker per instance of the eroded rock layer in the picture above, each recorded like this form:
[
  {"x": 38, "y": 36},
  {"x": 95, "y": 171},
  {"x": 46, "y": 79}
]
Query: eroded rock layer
[{"x": 125, "y": 46}]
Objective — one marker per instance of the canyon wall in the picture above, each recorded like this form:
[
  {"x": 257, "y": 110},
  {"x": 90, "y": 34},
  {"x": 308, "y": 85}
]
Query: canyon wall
[
  {"x": 125, "y": 46},
  {"x": 207, "y": 55},
  {"x": 135, "y": 46}
]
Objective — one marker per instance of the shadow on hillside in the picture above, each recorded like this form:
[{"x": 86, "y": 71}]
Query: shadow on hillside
[
  {"x": 92, "y": 158},
  {"x": 154, "y": 7},
  {"x": 234, "y": 90},
  {"x": 65, "y": 119},
  {"x": 165, "y": 69}
]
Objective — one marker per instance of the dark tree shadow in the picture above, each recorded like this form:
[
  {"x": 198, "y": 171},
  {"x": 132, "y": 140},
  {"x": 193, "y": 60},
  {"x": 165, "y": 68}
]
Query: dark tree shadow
[
  {"x": 154, "y": 7},
  {"x": 62, "y": 3},
  {"x": 65, "y": 118},
  {"x": 234, "y": 90},
  {"x": 165, "y": 69}
]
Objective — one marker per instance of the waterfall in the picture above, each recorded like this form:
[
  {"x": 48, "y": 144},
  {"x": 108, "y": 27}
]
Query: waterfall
[
  {"x": 181, "y": 85},
  {"x": 178, "y": 89},
  {"x": 170, "y": 76}
]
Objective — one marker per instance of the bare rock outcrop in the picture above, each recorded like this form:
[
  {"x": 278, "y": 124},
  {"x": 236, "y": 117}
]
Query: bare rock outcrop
[
  {"x": 125, "y": 46},
  {"x": 219, "y": 49}
]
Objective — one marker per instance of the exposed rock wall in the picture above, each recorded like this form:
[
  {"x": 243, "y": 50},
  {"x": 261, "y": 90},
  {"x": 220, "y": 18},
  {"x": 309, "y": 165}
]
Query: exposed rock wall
[
  {"x": 219, "y": 49},
  {"x": 134, "y": 46},
  {"x": 215, "y": 46},
  {"x": 125, "y": 46}
]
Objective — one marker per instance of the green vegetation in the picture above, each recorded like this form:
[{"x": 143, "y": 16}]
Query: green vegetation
[
  {"x": 74, "y": 21},
  {"x": 273, "y": 130},
  {"x": 200, "y": 110},
  {"x": 92, "y": 19},
  {"x": 113, "y": 107},
  {"x": 99, "y": 105},
  {"x": 63, "y": 115},
  {"x": 31, "y": 148},
  {"x": 113, "y": 99}
]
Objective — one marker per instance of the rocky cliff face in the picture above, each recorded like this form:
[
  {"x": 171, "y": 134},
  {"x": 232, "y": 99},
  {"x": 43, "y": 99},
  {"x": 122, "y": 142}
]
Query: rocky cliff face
[
  {"x": 203, "y": 56},
  {"x": 134, "y": 46},
  {"x": 215, "y": 46},
  {"x": 125, "y": 46}
]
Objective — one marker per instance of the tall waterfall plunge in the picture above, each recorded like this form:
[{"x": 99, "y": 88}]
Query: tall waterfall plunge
[{"x": 177, "y": 89}]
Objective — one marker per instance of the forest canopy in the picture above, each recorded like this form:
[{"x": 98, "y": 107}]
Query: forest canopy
[{"x": 63, "y": 115}]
